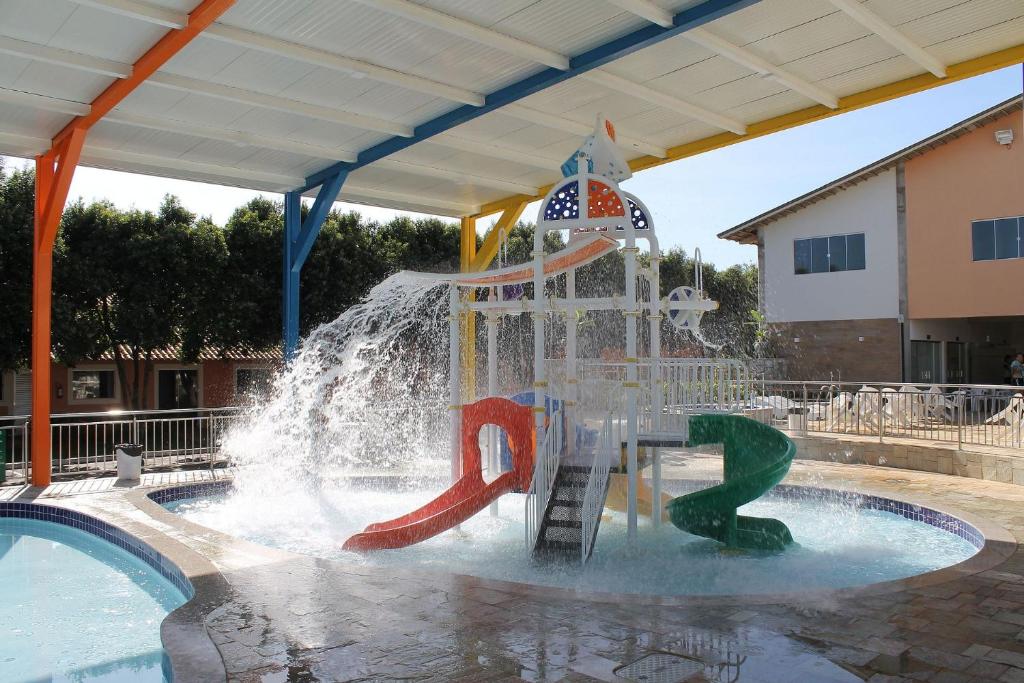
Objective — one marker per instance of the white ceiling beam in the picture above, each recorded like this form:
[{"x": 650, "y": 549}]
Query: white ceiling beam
[
  {"x": 456, "y": 177},
  {"x": 500, "y": 152},
  {"x": 353, "y": 67},
  {"x": 130, "y": 162},
  {"x": 44, "y": 102},
  {"x": 52, "y": 55},
  {"x": 141, "y": 11},
  {"x": 643, "y": 92},
  {"x": 239, "y": 137},
  {"x": 646, "y": 10},
  {"x": 289, "y": 106},
  {"x": 25, "y": 146},
  {"x": 134, "y": 162},
  {"x": 563, "y": 123},
  {"x": 892, "y": 35},
  {"x": 354, "y": 190},
  {"x": 470, "y": 31},
  {"x": 745, "y": 57}
]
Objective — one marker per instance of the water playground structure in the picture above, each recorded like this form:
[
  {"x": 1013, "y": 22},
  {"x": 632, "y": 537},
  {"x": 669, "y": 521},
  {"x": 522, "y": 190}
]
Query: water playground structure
[{"x": 571, "y": 450}]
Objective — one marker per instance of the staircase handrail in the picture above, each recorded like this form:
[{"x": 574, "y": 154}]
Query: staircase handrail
[
  {"x": 594, "y": 494},
  {"x": 544, "y": 470}
]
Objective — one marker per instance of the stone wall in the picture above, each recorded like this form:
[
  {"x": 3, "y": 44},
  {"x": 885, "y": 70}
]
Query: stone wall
[
  {"x": 996, "y": 465},
  {"x": 832, "y": 349}
]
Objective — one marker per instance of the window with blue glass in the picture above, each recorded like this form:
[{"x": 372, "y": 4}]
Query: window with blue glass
[
  {"x": 999, "y": 238},
  {"x": 830, "y": 254}
]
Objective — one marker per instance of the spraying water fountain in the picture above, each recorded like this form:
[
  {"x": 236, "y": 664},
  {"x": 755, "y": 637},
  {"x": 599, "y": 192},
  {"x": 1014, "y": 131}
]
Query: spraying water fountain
[{"x": 373, "y": 449}]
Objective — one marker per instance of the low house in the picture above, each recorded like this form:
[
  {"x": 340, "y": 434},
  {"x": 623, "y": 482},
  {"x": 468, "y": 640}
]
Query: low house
[
  {"x": 214, "y": 381},
  {"x": 908, "y": 269}
]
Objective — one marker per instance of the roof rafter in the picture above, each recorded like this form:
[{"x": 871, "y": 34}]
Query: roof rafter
[
  {"x": 308, "y": 55},
  {"x": 470, "y": 31},
  {"x": 596, "y": 57},
  {"x": 44, "y": 102},
  {"x": 646, "y": 10},
  {"x": 484, "y": 148},
  {"x": 563, "y": 123},
  {"x": 202, "y": 130},
  {"x": 275, "y": 102},
  {"x": 745, "y": 57},
  {"x": 457, "y": 177},
  {"x": 863, "y": 15},
  {"x": 648, "y": 94}
]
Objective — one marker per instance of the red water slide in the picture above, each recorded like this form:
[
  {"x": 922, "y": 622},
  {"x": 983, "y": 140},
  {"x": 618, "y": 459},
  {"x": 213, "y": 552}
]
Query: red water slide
[{"x": 469, "y": 495}]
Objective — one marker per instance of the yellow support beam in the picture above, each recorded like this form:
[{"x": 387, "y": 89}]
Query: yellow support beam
[
  {"x": 866, "y": 98},
  {"x": 492, "y": 241}
]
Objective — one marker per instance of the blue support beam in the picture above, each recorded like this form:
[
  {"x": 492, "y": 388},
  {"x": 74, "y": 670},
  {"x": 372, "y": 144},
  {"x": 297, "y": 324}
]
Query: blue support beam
[
  {"x": 592, "y": 59},
  {"x": 299, "y": 236}
]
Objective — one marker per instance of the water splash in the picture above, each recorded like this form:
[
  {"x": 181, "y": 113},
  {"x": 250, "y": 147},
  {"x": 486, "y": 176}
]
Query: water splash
[{"x": 366, "y": 392}]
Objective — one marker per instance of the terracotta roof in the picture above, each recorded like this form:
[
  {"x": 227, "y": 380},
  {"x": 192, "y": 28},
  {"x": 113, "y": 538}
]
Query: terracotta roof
[
  {"x": 271, "y": 355},
  {"x": 746, "y": 233}
]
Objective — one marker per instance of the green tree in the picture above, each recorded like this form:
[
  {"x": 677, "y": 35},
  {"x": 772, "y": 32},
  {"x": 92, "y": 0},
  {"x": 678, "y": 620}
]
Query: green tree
[
  {"x": 17, "y": 193},
  {"x": 425, "y": 244},
  {"x": 341, "y": 269},
  {"x": 251, "y": 278},
  {"x": 135, "y": 283}
]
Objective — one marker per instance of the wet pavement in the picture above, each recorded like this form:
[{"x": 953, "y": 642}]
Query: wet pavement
[{"x": 282, "y": 617}]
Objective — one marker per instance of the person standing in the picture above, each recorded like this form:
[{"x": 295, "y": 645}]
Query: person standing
[{"x": 1017, "y": 370}]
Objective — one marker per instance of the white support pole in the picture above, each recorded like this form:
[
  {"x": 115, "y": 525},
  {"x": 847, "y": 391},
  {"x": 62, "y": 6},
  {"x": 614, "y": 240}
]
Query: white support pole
[
  {"x": 539, "y": 374},
  {"x": 570, "y": 363},
  {"x": 455, "y": 383},
  {"x": 631, "y": 311},
  {"x": 493, "y": 456},
  {"x": 657, "y": 385}
]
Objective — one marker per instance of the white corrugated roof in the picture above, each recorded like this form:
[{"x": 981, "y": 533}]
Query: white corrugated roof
[{"x": 276, "y": 91}]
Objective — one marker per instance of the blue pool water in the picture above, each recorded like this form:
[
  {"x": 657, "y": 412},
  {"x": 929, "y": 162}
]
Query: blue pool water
[
  {"x": 74, "y": 607},
  {"x": 838, "y": 543}
]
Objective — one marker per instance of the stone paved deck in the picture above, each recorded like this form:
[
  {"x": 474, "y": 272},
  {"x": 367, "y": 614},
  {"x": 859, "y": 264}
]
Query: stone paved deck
[{"x": 283, "y": 617}]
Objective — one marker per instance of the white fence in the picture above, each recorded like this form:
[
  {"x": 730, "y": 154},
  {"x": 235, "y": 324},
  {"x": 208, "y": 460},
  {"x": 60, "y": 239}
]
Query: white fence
[
  {"x": 964, "y": 414},
  {"x": 544, "y": 472},
  {"x": 82, "y": 443}
]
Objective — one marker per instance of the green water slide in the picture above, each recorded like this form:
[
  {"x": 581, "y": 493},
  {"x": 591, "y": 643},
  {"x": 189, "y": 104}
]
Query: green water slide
[{"x": 757, "y": 457}]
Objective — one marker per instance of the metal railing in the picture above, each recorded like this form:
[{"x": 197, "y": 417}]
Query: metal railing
[
  {"x": 544, "y": 472},
  {"x": 15, "y": 436},
  {"x": 83, "y": 443},
  {"x": 597, "y": 480},
  {"x": 964, "y": 414}
]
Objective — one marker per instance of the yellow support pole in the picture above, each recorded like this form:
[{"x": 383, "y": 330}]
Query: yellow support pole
[
  {"x": 467, "y": 253},
  {"x": 498, "y": 233}
]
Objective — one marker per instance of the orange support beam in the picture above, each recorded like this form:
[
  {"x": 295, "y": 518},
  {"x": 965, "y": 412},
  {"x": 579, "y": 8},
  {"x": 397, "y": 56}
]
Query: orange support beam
[{"x": 54, "y": 172}]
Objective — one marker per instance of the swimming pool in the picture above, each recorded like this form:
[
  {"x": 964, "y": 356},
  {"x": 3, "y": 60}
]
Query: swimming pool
[
  {"x": 842, "y": 540},
  {"x": 76, "y": 607}
]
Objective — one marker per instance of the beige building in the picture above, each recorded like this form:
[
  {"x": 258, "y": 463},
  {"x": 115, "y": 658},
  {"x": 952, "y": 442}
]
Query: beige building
[{"x": 910, "y": 268}]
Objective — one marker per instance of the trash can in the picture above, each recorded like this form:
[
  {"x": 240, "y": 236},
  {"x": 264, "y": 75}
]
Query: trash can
[
  {"x": 129, "y": 461},
  {"x": 796, "y": 419}
]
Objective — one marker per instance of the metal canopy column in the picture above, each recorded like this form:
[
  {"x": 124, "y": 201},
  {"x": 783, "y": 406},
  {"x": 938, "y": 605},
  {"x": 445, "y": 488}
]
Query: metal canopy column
[
  {"x": 299, "y": 236},
  {"x": 54, "y": 171}
]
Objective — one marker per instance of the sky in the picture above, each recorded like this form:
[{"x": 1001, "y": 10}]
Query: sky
[{"x": 691, "y": 199}]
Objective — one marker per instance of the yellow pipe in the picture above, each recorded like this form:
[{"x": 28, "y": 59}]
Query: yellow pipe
[{"x": 866, "y": 98}]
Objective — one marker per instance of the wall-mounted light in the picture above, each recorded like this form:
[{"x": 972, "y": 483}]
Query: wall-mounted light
[
  {"x": 1005, "y": 136},
  {"x": 60, "y": 390}
]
